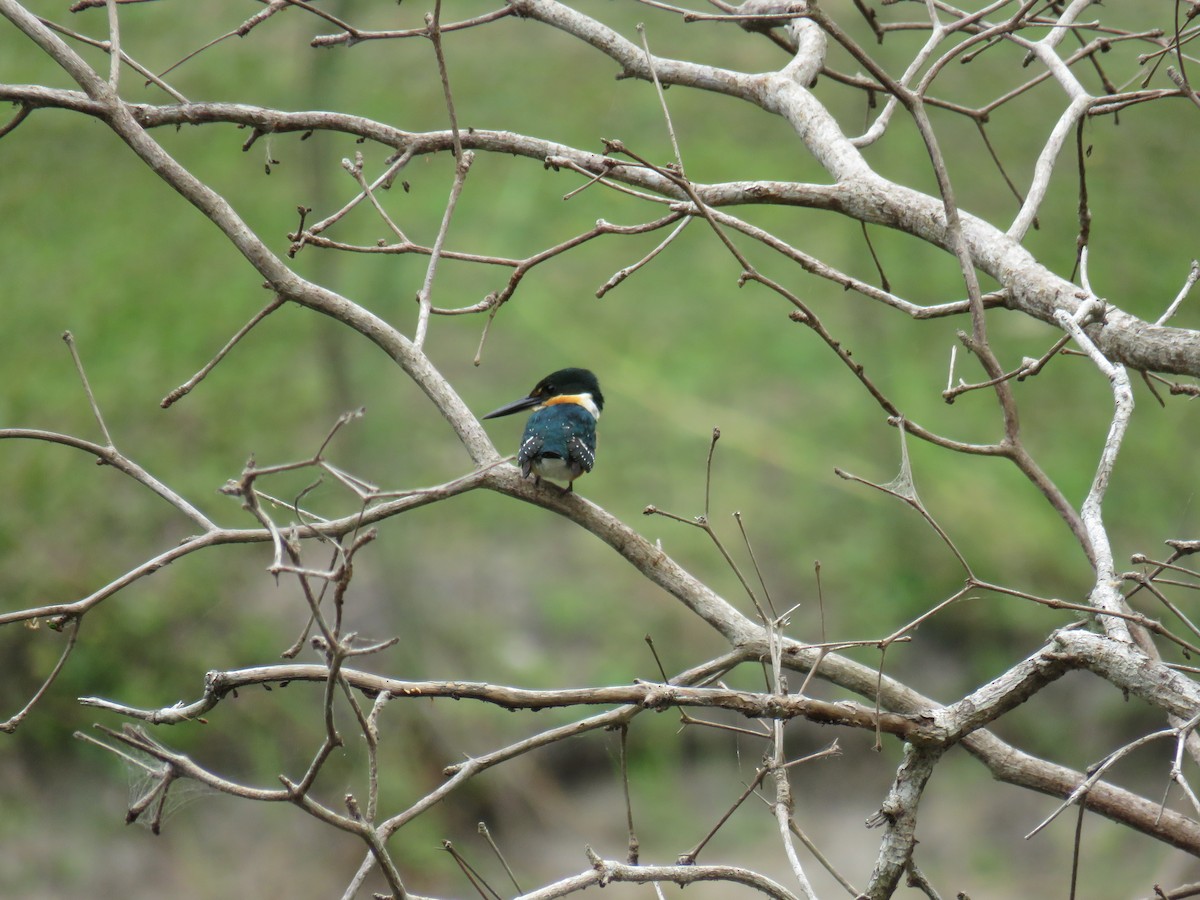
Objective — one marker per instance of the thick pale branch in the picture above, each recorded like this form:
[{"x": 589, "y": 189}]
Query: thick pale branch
[
  {"x": 651, "y": 696},
  {"x": 1126, "y": 668},
  {"x": 1106, "y": 594},
  {"x": 1030, "y": 287},
  {"x": 1005, "y": 762},
  {"x": 899, "y": 816},
  {"x": 606, "y": 871}
]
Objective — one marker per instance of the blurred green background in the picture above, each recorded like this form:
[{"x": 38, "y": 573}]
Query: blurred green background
[{"x": 488, "y": 589}]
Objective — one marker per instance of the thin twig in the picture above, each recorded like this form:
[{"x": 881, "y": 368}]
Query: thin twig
[
  {"x": 69, "y": 339},
  {"x": 188, "y": 385},
  {"x": 72, "y": 629},
  {"x": 461, "y": 168}
]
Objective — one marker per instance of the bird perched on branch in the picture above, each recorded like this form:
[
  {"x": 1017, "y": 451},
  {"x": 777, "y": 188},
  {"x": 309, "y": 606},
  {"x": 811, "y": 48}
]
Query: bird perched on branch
[{"x": 560, "y": 436}]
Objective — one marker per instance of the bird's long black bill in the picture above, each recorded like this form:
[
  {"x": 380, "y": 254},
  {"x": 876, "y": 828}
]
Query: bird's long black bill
[{"x": 516, "y": 406}]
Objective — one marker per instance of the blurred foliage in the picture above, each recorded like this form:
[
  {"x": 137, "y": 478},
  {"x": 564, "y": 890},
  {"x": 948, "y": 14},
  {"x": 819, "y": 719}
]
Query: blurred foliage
[{"x": 480, "y": 587}]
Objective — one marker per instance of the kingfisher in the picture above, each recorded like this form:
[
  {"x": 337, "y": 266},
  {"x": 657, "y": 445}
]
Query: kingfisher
[{"x": 560, "y": 436}]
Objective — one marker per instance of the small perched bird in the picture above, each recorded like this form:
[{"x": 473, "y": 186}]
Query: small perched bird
[{"x": 560, "y": 436}]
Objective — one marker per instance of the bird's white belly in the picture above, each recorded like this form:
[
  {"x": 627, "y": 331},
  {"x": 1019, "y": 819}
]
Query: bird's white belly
[{"x": 551, "y": 467}]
